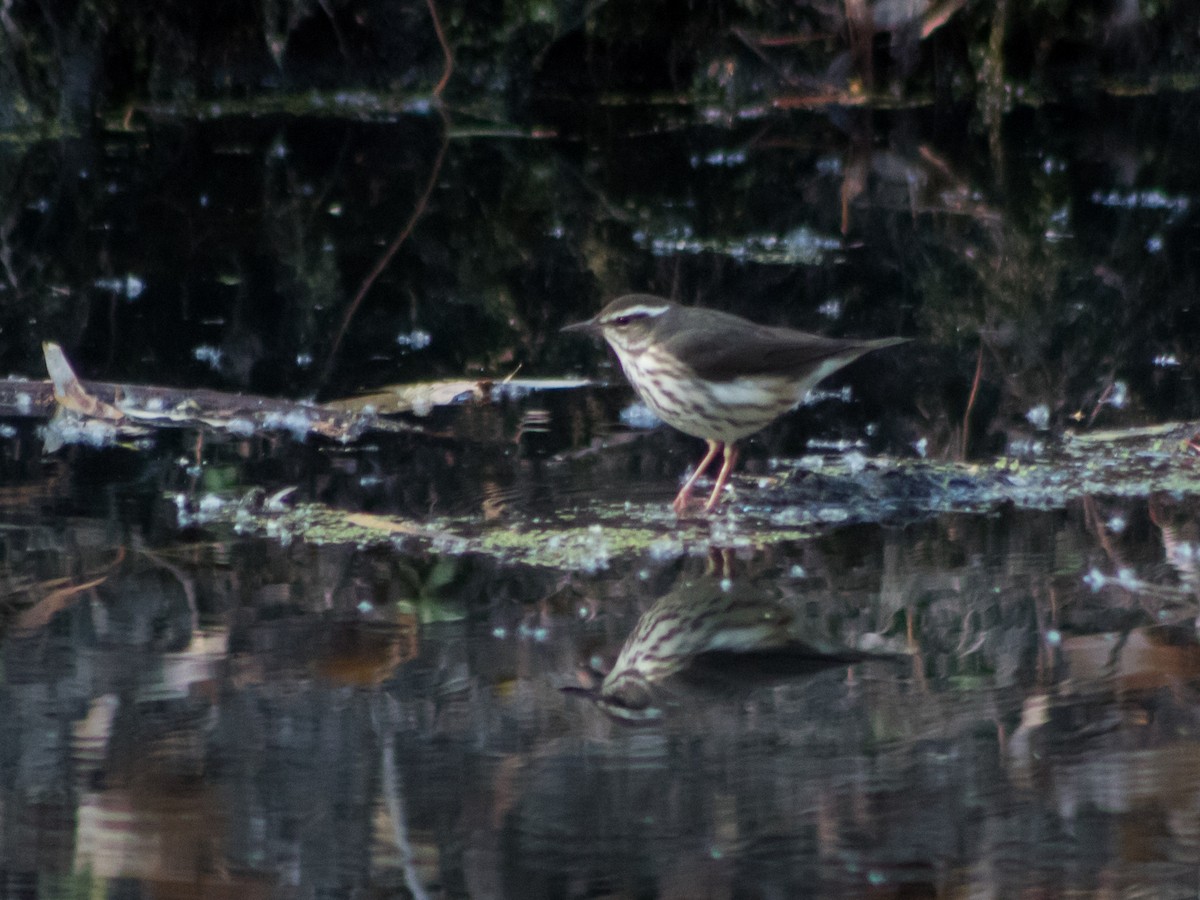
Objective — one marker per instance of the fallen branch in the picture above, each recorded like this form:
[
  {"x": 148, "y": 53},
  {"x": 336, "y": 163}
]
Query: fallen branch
[{"x": 102, "y": 412}]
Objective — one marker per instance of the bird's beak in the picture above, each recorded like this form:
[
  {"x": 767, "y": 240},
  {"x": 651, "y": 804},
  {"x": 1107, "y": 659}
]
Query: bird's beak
[{"x": 588, "y": 326}]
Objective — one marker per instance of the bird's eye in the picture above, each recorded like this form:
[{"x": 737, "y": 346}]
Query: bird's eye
[{"x": 621, "y": 321}]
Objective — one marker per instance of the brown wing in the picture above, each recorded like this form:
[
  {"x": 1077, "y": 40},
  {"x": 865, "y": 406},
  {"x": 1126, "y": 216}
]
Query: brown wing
[{"x": 736, "y": 348}]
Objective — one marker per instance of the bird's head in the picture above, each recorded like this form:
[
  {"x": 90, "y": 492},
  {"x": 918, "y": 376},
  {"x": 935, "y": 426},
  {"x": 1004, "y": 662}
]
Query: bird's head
[{"x": 629, "y": 322}]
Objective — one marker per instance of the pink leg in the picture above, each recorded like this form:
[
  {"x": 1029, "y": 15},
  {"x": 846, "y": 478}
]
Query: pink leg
[
  {"x": 685, "y": 493},
  {"x": 731, "y": 455}
]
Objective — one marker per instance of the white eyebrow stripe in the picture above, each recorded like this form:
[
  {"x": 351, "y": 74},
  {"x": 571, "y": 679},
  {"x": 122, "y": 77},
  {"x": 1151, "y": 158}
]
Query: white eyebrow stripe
[{"x": 630, "y": 311}]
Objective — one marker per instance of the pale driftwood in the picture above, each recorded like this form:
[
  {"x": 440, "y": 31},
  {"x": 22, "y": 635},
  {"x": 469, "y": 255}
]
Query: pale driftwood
[{"x": 131, "y": 409}]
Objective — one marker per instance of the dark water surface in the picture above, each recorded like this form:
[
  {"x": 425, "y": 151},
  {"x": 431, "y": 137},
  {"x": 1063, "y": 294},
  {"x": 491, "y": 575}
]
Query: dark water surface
[{"x": 995, "y": 702}]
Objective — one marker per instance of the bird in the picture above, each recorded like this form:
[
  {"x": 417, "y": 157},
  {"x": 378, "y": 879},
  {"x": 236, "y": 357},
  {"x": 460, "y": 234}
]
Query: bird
[
  {"x": 708, "y": 637},
  {"x": 714, "y": 375}
]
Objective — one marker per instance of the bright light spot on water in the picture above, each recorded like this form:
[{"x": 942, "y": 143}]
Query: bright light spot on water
[
  {"x": 1095, "y": 579},
  {"x": 1127, "y": 579},
  {"x": 130, "y": 287},
  {"x": 1025, "y": 447},
  {"x": 829, "y": 165},
  {"x": 1116, "y": 524},
  {"x": 797, "y": 571},
  {"x": 500, "y": 632},
  {"x": 1154, "y": 244},
  {"x": 725, "y": 158},
  {"x": 1152, "y": 199},
  {"x": 665, "y": 548},
  {"x": 727, "y": 584},
  {"x": 211, "y": 356},
  {"x": 71, "y": 430},
  {"x": 594, "y": 554},
  {"x": 922, "y": 447},
  {"x": 1053, "y": 637},
  {"x": 831, "y": 309},
  {"x": 417, "y": 339},
  {"x": 819, "y": 395},
  {"x": 365, "y": 607},
  {"x": 855, "y": 462},
  {"x": 836, "y": 446},
  {"x": 1039, "y": 417},
  {"x": 638, "y": 415},
  {"x": 1166, "y": 360},
  {"x": 800, "y": 246},
  {"x": 296, "y": 421}
]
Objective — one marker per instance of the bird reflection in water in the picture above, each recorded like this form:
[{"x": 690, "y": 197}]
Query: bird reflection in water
[{"x": 710, "y": 636}]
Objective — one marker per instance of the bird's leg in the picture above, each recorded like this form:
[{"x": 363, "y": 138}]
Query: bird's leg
[
  {"x": 731, "y": 455},
  {"x": 685, "y": 493}
]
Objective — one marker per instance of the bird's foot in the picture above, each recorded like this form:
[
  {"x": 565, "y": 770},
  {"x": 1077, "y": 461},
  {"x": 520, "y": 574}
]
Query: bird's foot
[
  {"x": 680, "y": 504},
  {"x": 684, "y": 500}
]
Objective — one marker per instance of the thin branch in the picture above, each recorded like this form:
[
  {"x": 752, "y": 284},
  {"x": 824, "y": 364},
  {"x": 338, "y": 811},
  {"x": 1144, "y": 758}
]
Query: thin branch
[
  {"x": 1100, "y": 403},
  {"x": 390, "y": 252},
  {"x": 448, "y": 57},
  {"x": 966, "y": 423},
  {"x": 418, "y": 210}
]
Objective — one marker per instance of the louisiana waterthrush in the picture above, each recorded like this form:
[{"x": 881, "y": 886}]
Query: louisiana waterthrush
[
  {"x": 714, "y": 375},
  {"x": 710, "y": 635}
]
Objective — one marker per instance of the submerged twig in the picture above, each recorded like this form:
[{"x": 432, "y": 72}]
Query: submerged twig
[{"x": 966, "y": 423}]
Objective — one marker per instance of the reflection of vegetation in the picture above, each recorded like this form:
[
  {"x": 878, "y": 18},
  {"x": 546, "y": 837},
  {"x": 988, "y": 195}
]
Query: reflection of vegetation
[
  {"x": 62, "y": 61},
  {"x": 252, "y": 721},
  {"x": 425, "y": 594}
]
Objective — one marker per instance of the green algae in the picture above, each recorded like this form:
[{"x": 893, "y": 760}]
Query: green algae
[{"x": 803, "y": 498}]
